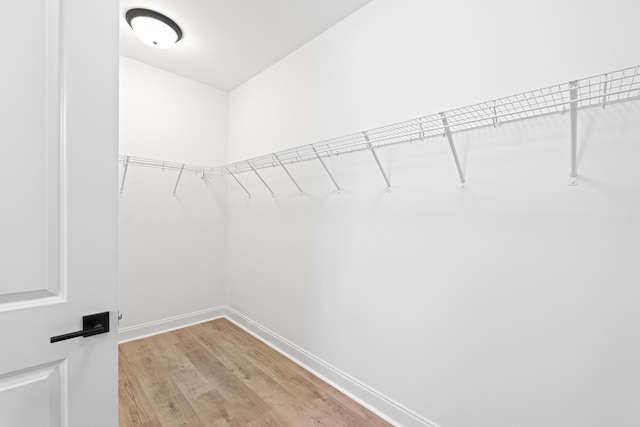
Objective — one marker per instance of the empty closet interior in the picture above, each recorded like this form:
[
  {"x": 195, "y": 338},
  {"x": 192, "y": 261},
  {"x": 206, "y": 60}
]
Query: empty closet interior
[{"x": 433, "y": 206}]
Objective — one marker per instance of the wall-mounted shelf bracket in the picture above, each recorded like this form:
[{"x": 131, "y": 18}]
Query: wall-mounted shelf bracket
[
  {"x": 238, "y": 181},
  {"x": 375, "y": 156},
  {"x": 573, "y": 96},
  {"x": 178, "y": 181},
  {"x": 604, "y": 91},
  {"x": 275, "y": 156},
  {"x": 326, "y": 168},
  {"x": 447, "y": 132},
  {"x": 421, "y": 134},
  {"x": 260, "y": 177},
  {"x": 598, "y": 91},
  {"x": 124, "y": 173}
]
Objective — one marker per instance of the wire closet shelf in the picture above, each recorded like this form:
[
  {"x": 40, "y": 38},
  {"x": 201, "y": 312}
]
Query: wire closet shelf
[
  {"x": 595, "y": 91},
  {"x": 162, "y": 165}
]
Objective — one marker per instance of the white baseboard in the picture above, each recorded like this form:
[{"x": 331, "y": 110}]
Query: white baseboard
[
  {"x": 135, "y": 332},
  {"x": 371, "y": 399}
]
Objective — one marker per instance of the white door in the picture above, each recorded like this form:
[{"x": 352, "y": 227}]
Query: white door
[{"x": 58, "y": 211}]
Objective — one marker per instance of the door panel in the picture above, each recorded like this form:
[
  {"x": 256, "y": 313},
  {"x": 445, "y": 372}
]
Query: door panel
[
  {"x": 58, "y": 220},
  {"x": 31, "y": 147},
  {"x": 33, "y": 397}
]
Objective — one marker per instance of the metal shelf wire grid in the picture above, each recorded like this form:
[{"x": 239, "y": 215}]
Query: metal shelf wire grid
[
  {"x": 160, "y": 164},
  {"x": 596, "y": 91}
]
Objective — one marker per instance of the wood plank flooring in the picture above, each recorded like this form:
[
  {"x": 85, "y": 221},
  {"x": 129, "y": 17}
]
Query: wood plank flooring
[{"x": 216, "y": 374}]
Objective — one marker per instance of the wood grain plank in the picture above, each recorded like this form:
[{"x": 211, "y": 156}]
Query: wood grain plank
[
  {"x": 170, "y": 406},
  {"x": 134, "y": 408},
  {"x": 176, "y": 364},
  {"x": 287, "y": 409},
  {"x": 242, "y": 404},
  {"x": 216, "y": 374}
]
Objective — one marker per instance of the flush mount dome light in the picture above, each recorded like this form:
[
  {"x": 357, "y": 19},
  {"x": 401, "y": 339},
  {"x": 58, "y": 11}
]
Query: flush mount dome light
[{"x": 153, "y": 28}]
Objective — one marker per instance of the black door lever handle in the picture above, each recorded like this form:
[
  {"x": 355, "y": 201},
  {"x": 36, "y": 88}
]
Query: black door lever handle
[
  {"x": 92, "y": 324},
  {"x": 95, "y": 331}
]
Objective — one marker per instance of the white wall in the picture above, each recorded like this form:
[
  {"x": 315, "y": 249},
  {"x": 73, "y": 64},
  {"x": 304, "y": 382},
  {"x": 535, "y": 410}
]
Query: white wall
[
  {"x": 512, "y": 303},
  {"x": 172, "y": 249},
  {"x": 399, "y": 59},
  {"x": 508, "y": 304},
  {"x": 168, "y": 117}
]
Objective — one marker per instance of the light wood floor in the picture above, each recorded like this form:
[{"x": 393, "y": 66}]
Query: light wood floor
[{"x": 215, "y": 374}]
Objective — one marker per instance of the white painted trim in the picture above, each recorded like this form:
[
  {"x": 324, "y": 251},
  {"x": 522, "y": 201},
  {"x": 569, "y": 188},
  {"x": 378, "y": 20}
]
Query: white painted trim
[
  {"x": 144, "y": 330},
  {"x": 383, "y": 406}
]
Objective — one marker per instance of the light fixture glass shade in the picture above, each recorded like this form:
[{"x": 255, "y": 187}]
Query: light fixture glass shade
[{"x": 153, "y": 28}]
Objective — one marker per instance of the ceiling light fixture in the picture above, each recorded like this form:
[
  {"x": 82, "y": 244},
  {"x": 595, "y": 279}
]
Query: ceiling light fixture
[{"x": 153, "y": 28}]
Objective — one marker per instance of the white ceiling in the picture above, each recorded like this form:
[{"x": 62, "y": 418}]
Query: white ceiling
[{"x": 226, "y": 42}]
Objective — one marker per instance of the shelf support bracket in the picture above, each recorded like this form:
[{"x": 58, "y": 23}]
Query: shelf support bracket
[
  {"x": 178, "y": 181},
  {"x": 573, "y": 96},
  {"x": 495, "y": 115},
  {"x": 263, "y": 181},
  {"x": 275, "y": 156},
  {"x": 238, "y": 181},
  {"x": 447, "y": 132},
  {"x": 375, "y": 156},
  {"x": 124, "y": 173},
  {"x": 326, "y": 168},
  {"x": 604, "y": 92}
]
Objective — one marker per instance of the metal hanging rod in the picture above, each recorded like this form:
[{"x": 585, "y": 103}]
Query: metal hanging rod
[{"x": 595, "y": 91}]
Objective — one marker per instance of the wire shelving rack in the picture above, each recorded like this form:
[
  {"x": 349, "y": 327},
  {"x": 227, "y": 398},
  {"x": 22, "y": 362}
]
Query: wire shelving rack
[{"x": 591, "y": 92}]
